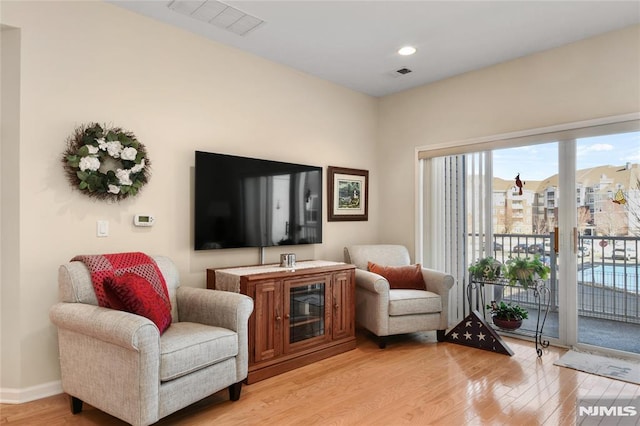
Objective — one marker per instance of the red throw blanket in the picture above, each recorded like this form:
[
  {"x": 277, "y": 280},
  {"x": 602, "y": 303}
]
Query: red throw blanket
[{"x": 102, "y": 266}]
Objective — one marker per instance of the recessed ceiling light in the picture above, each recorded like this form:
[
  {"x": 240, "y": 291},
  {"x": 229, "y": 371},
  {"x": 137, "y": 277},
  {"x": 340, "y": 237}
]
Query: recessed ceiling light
[{"x": 407, "y": 50}]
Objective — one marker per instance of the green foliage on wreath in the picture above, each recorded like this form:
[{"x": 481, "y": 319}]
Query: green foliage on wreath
[{"x": 105, "y": 163}]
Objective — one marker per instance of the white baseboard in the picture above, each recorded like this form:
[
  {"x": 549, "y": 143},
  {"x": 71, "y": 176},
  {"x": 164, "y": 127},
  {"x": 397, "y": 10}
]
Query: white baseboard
[{"x": 20, "y": 396}]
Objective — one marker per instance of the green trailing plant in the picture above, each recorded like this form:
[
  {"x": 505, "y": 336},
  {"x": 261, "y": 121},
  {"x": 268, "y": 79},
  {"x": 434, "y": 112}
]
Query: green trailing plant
[
  {"x": 526, "y": 270},
  {"x": 508, "y": 311},
  {"x": 486, "y": 268}
]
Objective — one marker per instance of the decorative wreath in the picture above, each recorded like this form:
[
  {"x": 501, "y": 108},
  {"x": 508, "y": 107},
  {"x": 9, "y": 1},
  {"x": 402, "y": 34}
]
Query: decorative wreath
[{"x": 106, "y": 163}]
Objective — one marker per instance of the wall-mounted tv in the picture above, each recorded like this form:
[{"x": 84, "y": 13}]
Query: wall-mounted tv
[{"x": 250, "y": 202}]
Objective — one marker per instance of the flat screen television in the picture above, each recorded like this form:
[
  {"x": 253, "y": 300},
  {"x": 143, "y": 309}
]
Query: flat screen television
[{"x": 250, "y": 202}]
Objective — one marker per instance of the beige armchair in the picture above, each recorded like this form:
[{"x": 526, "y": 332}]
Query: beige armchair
[
  {"x": 119, "y": 363},
  {"x": 384, "y": 311}
]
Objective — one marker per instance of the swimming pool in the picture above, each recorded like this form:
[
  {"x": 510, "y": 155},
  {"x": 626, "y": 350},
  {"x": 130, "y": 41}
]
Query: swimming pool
[{"x": 616, "y": 276}]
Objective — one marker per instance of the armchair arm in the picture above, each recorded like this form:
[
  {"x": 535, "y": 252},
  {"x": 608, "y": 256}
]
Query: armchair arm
[
  {"x": 440, "y": 283},
  {"x": 115, "y": 348},
  {"x": 107, "y": 325},
  {"x": 437, "y": 282},
  {"x": 372, "y": 282},
  {"x": 372, "y": 302},
  {"x": 222, "y": 309},
  {"x": 214, "y": 307}
]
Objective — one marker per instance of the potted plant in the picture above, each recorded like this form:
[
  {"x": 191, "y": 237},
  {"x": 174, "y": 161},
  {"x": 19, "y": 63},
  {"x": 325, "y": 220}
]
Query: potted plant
[
  {"x": 507, "y": 316},
  {"x": 526, "y": 270},
  {"x": 486, "y": 269}
]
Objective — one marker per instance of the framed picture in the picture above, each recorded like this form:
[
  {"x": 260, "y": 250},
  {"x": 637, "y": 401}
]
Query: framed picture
[{"x": 348, "y": 194}]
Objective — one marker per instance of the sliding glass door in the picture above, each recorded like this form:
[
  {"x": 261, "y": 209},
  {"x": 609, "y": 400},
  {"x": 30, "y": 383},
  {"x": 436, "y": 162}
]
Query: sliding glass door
[
  {"x": 525, "y": 221},
  {"x": 572, "y": 201},
  {"x": 608, "y": 233}
]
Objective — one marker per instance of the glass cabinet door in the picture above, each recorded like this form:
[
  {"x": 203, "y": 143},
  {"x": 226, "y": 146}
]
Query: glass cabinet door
[{"x": 308, "y": 317}]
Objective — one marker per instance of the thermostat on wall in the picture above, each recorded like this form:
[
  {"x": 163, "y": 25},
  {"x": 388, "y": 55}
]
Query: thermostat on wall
[{"x": 143, "y": 220}]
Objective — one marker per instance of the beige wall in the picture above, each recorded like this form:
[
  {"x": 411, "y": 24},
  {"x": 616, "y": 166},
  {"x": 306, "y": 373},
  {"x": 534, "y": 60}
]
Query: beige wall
[
  {"x": 91, "y": 61},
  {"x": 594, "y": 78},
  {"x": 9, "y": 200}
]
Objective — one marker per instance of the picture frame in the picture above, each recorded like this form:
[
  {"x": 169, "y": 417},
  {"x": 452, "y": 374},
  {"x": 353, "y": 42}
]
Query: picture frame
[{"x": 348, "y": 194}]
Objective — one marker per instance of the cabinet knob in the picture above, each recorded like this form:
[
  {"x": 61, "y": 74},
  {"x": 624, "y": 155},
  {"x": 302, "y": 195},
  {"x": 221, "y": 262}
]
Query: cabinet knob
[
  {"x": 286, "y": 316},
  {"x": 278, "y": 318}
]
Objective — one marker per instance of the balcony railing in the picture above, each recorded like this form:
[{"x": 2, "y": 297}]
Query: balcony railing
[{"x": 608, "y": 273}]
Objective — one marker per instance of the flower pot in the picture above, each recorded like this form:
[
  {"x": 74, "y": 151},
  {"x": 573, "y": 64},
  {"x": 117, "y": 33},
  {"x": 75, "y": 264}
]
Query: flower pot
[
  {"x": 524, "y": 274},
  {"x": 507, "y": 324}
]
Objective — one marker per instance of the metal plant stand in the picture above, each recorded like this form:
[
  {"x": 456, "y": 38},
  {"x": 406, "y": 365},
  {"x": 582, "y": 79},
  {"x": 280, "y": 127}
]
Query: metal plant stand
[{"x": 541, "y": 293}]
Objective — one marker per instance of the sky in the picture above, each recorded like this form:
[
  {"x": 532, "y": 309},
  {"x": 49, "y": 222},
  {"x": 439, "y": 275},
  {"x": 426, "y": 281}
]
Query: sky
[{"x": 538, "y": 162}]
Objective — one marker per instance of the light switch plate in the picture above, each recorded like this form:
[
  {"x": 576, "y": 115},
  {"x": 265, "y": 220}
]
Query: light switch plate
[{"x": 102, "y": 228}]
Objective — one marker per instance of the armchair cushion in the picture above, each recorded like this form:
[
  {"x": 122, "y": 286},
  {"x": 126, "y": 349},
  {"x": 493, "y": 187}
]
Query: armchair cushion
[
  {"x": 412, "y": 302},
  {"x": 132, "y": 293},
  {"x": 188, "y": 346},
  {"x": 400, "y": 277}
]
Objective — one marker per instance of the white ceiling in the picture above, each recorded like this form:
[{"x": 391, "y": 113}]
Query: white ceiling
[{"x": 354, "y": 43}]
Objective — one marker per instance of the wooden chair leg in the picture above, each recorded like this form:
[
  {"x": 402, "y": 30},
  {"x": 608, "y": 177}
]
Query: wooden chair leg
[
  {"x": 234, "y": 391},
  {"x": 441, "y": 335},
  {"x": 382, "y": 342},
  {"x": 76, "y": 405}
]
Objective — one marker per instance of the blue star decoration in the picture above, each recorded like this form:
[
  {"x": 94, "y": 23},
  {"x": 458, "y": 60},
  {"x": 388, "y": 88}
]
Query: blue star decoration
[{"x": 474, "y": 331}]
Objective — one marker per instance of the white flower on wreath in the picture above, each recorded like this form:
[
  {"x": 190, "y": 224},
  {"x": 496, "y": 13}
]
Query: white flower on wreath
[
  {"x": 138, "y": 167},
  {"x": 92, "y": 149},
  {"x": 102, "y": 144},
  {"x": 124, "y": 177},
  {"x": 114, "y": 189},
  {"x": 129, "y": 153},
  {"x": 89, "y": 163},
  {"x": 114, "y": 148}
]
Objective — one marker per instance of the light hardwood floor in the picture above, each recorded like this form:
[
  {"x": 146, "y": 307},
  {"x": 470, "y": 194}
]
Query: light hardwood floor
[{"x": 414, "y": 381}]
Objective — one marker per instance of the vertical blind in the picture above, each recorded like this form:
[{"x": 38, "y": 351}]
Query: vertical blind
[{"x": 457, "y": 219}]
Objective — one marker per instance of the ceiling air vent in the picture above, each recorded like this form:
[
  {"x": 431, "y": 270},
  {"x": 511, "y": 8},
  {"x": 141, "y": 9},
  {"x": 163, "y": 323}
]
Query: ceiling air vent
[
  {"x": 403, "y": 71},
  {"x": 217, "y": 13}
]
